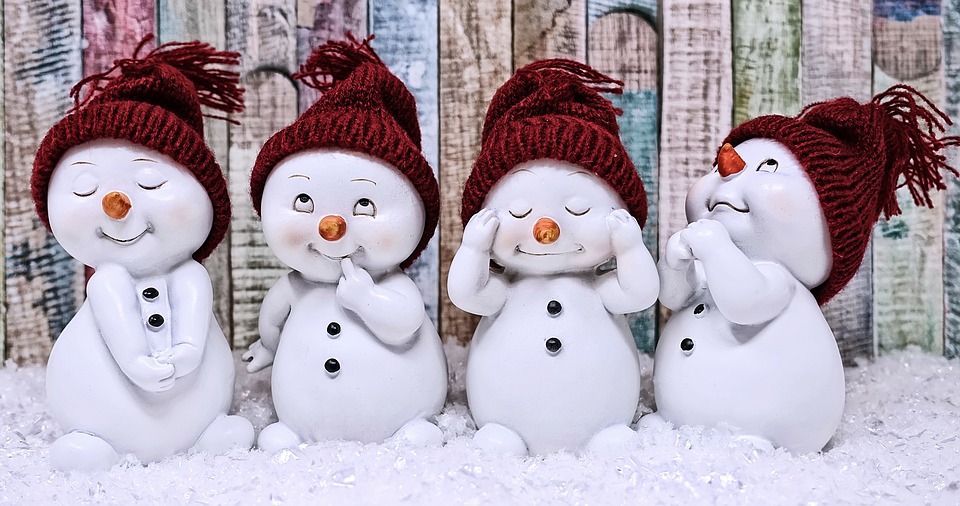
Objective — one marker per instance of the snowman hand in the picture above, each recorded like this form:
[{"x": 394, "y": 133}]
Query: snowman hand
[
  {"x": 257, "y": 357},
  {"x": 480, "y": 230},
  {"x": 706, "y": 237},
  {"x": 625, "y": 232},
  {"x": 355, "y": 287},
  {"x": 677, "y": 254},
  {"x": 184, "y": 357},
  {"x": 150, "y": 374}
]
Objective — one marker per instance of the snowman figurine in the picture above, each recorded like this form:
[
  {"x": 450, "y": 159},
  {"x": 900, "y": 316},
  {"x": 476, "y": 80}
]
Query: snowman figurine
[
  {"x": 776, "y": 229},
  {"x": 347, "y": 200},
  {"x": 128, "y": 186},
  {"x": 552, "y": 258}
]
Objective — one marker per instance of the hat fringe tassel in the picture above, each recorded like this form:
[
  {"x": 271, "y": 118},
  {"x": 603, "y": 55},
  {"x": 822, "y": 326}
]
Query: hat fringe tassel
[
  {"x": 585, "y": 74},
  {"x": 217, "y": 88},
  {"x": 334, "y": 61}
]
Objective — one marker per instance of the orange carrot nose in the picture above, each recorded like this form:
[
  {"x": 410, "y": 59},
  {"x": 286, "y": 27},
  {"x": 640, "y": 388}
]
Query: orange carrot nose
[
  {"x": 729, "y": 161},
  {"x": 116, "y": 205},
  {"x": 546, "y": 231},
  {"x": 332, "y": 227}
]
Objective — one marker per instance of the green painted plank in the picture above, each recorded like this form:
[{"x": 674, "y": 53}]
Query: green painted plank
[
  {"x": 265, "y": 33},
  {"x": 766, "y": 58},
  {"x": 951, "y": 234},
  {"x": 42, "y": 61},
  {"x": 407, "y": 33},
  {"x": 837, "y": 62},
  {"x": 623, "y": 44},
  {"x": 475, "y": 59},
  {"x": 185, "y": 20},
  {"x": 908, "y": 250}
]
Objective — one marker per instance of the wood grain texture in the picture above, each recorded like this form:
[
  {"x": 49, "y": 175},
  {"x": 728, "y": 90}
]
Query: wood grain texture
[
  {"x": 549, "y": 29},
  {"x": 407, "y": 33},
  {"x": 908, "y": 249},
  {"x": 112, "y": 29},
  {"x": 837, "y": 62},
  {"x": 766, "y": 58},
  {"x": 3, "y": 281},
  {"x": 321, "y": 20},
  {"x": 697, "y": 100},
  {"x": 265, "y": 32},
  {"x": 951, "y": 231},
  {"x": 185, "y": 20},
  {"x": 475, "y": 59},
  {"x": 623, "y": 44},
  {"x": 42, "y": 60}
]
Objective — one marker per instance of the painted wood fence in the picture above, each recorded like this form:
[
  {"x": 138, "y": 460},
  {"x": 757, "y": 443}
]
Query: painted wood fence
[{"x": 692, "y": 70}]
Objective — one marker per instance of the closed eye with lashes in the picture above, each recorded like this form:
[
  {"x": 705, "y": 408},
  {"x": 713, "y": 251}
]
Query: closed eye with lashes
[
  {"x": 87, "y": 193},
  {"x": 577, "y": 213},
  {"x": 151, "y": 186},
  {"x": 521, "y": 215}
]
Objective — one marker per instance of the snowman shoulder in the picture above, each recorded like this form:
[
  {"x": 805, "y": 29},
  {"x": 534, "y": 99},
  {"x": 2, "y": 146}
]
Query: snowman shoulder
[
  {"x": 192, "y": 273},
  {"x": 397, "y": 280},
  {"x": 779, "y": 275}
]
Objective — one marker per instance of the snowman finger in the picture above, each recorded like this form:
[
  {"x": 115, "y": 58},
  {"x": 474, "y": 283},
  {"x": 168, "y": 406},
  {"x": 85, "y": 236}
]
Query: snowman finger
[{"x": 346, "y": 265}]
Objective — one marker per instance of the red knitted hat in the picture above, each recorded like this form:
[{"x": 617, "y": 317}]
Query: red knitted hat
[
  {"x": 153, "y": 101},
  {"x": 552, "y": 109},
  {"x": 364, "y": 108},
  {"x": 855, "y": 155}
]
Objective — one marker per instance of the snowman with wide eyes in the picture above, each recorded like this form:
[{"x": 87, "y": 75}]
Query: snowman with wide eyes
[
  {"x": 552, "y": 258},
  {"x": 346, "y": 199},
  {"x": 131, "y": 189},
  {"x": 776, "y": 230}
]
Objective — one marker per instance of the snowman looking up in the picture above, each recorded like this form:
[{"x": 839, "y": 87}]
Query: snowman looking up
[
  {"x": 552, "y": 258},
  {"x": 777, "y": 229},
  {"x": 128, "y": 186},
  {"x": 347, "y": 201}
]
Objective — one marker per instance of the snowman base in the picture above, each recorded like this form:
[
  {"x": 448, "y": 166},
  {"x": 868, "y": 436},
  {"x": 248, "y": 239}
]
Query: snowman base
[{"x": 79, "y": 451}]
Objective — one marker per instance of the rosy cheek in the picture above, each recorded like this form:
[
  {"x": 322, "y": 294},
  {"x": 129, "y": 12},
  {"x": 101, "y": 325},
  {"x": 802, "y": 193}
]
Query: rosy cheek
[{"x": 294, "y": 236}]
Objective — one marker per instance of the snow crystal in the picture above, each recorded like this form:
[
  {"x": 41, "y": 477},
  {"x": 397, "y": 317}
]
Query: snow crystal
[{"x": 898, "y": 444}]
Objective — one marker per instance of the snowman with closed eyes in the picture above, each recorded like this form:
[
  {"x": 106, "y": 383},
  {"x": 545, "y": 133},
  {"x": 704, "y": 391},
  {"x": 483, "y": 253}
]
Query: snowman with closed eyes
[
  {"x": 552, "y": 258},
  {"x": 128, "y": 186},
  {"x": 777, "y": 229},
  {"x": 347, "y": 201}
]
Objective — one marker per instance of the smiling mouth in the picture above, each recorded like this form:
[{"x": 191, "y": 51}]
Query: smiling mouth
[
  {"x": 314, "y": 249},
  {"x": 125, "y": 241},
  {"x": 578, "y": 250},
  {"x": 711, "y": 207}
]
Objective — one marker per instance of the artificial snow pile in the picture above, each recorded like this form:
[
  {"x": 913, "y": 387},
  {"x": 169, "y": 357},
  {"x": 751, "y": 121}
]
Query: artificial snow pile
[{"x": 898, "y": 444}]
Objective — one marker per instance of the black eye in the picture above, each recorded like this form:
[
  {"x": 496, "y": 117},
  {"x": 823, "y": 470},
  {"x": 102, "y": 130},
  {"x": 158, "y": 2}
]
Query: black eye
[
  {"x": 769, "y": 165},
  {"x": 521, "y": 215},
  {"x": 303, "y": 203},
  {"x": 365, "y": 207}
]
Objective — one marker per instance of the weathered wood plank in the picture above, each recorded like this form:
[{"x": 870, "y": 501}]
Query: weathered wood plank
[
  {"x": 837, "y": 62},
  {"x": 697, "y": 100},
  {"x": 908, "y": 250},
  {"x": 184, "y": 20},
  {"x": 623, "y": 44},
  {"x": 3, "y": 280},
  {"x": 475, "y": 59},
  {"x": 265, "y": 32},
  {"x": 112, "y": 29},
  {"x": 549, "y": 29},
  {"x": 951, "y": 235},
  {"x": 321, "y": 20},
  {"x": 766, "y": 58},
  {"x": 42, "y": 60},
  {"x": 407, "y": 34}
]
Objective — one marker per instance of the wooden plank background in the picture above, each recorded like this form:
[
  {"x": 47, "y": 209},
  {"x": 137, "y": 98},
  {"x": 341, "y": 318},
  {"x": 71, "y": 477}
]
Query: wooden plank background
[{"x": 692, "y": 70}]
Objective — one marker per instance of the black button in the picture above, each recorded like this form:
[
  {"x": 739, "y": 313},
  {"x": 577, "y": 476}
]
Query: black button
[
  {"x": 150, "y": 293},
  {"x": 332, "y": 365},
  {"x": 155, "y": 320},
  {"x": 699, "y": 309},
  {"x": 554, "y": 307},
  {"x": 553, "y": 345},
  {"x": 333, "y": 329},
  {"x": 686, "y": 345}
]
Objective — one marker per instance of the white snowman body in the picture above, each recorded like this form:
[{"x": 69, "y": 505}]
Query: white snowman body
[
  {"x": 552, "y": 363},
  {"x": 747, "y": 344},
  {"x": 354, "y": 354},
  {"x": 143, "y": 367}
]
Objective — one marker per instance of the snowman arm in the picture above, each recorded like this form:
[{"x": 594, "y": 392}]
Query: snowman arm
[
  {"x": 274, "y": 312},
  {"x": 633, "y": 286},
  {"x": 471, "y": 285},
  {"x": 113, "y": 301},
  {"x": 392, "y": 309},
  {"x": 678, "y": 286},
  {"x": 191, "y": 309},
  {"x": 747, "y": 293}
]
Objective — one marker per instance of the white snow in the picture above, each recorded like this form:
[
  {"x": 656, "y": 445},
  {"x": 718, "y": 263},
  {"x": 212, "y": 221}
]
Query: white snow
[{"x": 898, "y": 444}]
